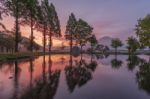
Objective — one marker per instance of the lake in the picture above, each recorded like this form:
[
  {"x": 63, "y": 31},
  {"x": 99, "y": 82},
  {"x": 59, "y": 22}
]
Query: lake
[{"x": 67, "y": 77}]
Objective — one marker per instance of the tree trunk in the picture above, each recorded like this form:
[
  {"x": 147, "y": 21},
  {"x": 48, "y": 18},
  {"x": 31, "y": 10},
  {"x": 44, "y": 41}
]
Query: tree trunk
[
  {"x": 44, "y": 39},
  {"x": 81, "y": 51},
  {"x": 31, "y": 41},
  {"x": 70, "y": 60},
  {"x": 81, "y": 59},
  {"x": 17, "y": 28},
  {"x": 50, "y": 41},
  {"x": 44, "y": 67},
  {"x": 16, "y": 73},
  {"x": 50, "y": 65},
  {"x": 31, "y": 71},
  {"x": 149, "y": 54},
  {"x": 71, "y": 41},
  {"x": 81, "y": 47},
  {"x": 7, "y": 50}
]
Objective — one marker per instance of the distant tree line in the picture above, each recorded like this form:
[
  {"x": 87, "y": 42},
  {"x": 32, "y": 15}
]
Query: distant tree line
[{"x": 143, "y": 37}]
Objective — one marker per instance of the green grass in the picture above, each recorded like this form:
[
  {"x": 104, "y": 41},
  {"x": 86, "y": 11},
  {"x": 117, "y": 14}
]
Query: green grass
[
  {"x": 24, "y": 55},
  {"x": 4, "y": 57}
]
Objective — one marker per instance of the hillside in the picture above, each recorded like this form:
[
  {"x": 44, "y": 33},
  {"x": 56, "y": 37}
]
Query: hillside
[{"x": 7, "y": 43}]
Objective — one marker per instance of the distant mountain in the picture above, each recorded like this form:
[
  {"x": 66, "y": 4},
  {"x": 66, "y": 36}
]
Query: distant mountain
[{"x": 105, "y": 41}]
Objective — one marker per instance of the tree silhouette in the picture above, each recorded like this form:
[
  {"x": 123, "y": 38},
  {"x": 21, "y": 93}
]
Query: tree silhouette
[
  {"x": 79, "y": 74},
  {"x": 83, "y": 32},
  {"x": 31, "y": 70},
  {"x": 53, "y": 23},
  {"x": 143, "y": 76},
  {"x": 48, "y": 22},
  {"x": 143, "y": 31},
  {"x": 133, "y": 61},
  {"x": 116, "y": 63},
  {"x": 44, "y": 68},
  {"x": 3, "y": 9},
  {"x": 44, "y": 22},
  {"x": 71, "y": 29},
  {"x": 29, "y": 17},
  {"x": 41, "y": 23},
  {"x": 133, "y": 44},
  {"x": 17, "y": 71},
  {"x": 116, "y": 43},
  {"x": 45, "y": 87},
  {"x": 16, "y": 9},
  {"x": 93, "y": 41}
]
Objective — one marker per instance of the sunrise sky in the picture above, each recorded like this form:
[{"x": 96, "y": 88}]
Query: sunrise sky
[{"x": 114, "y": 18}]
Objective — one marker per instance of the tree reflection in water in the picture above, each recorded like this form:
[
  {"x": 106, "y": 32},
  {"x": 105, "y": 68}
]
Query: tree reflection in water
[
  {"x": 17, "y": 71},
  {"x": 101, "y": 56},
  {"x": 133, "y": 61},
  {"x": 31, "y": 70},
  {"x": 46, "y": 86},
  {"x": 143, "y": 76},
  {"x": 78, "y": 73},
  {"x": 115, "y": 63}
]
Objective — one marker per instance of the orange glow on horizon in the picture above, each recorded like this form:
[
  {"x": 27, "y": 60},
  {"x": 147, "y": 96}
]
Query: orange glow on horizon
[
  {"x": 25, "y": 30},
  {"x": 57, "y": 42}
]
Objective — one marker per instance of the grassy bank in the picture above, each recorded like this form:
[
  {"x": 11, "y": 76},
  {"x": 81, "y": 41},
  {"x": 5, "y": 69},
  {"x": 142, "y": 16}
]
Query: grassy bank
[
  {"x": 14, "y": 56},
  {"x": 24, "y": 55}
]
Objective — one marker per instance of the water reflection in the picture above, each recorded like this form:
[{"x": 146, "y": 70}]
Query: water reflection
[
  {"x": 44, "y": 69},
  {"x": 31, "y": 70},
  {"x": 133, "y": 61},
  {"x": 116, "y": 63},
  {"x": 78, "y": 73},
  {"x": 101, "y": 56},
  {"x": 45, "y": 87},
  {"x": 17, "y": 71},
  {"x": 43, "y": 77},
  {"x": 143, "y": 76}
]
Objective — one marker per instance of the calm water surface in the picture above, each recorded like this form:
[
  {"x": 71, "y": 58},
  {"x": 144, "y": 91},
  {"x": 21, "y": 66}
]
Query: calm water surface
[{"x": 66, "y": 77}]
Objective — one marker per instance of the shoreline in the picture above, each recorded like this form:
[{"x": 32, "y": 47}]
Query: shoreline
[{"x": 25, "y": 55}]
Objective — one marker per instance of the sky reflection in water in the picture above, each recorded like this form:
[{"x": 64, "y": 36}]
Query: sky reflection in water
[{"x": 66, "y": 77}]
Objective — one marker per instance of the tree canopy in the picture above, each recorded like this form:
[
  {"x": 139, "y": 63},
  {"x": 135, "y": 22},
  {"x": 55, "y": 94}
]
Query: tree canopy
[
  {"x": 133, "y": 44},
  {"x": 84, "y": 31},
  {"x": 71, "y": 27},
  {"x": 143, "y": 31},
  {"x": 116, "y": 43}
]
